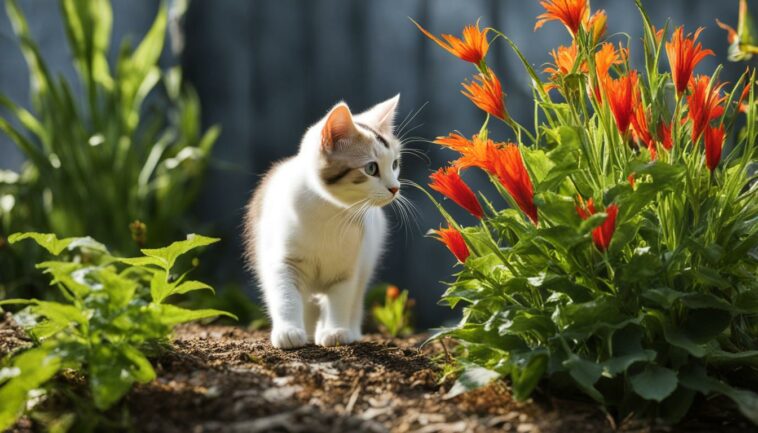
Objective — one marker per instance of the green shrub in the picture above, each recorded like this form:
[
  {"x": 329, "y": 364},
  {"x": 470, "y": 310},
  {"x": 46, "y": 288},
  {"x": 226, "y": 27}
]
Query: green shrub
[
  {"x": 98, "y": 160},
  {"x": 626, "y": 268},
  {"x": 393, "y": 315},
  {"x": 114, "y": 308}
]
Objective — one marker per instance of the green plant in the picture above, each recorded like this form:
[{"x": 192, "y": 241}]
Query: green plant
[
  {"x": 393, "y": 317},
  {"x": 98, "y": 160},
  {"x": 114, "y": 309},
  {"x": 626, "y": 268}
]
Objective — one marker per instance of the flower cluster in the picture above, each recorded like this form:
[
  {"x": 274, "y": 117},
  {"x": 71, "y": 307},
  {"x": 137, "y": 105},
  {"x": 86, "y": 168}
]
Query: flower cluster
[{"x": 622, "y": 206}]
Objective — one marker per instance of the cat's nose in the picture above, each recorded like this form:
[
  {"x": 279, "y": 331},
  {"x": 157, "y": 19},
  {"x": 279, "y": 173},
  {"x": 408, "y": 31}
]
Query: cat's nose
[{"x": 393, "y": 190}]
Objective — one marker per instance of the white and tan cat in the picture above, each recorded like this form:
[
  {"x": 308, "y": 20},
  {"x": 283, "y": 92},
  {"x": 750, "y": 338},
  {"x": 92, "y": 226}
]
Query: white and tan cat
[{"x": 314, "y": 228}]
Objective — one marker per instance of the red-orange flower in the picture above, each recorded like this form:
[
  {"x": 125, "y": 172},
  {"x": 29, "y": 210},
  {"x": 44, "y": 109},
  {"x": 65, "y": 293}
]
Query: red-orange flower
[
  {"x": 509, "y": 168},
  {"x": 714, "y": 141},
  {"x": 622, "y": 95},
  {"x": 448, "y": 182},
  {"x": 392, "y": 292},
  {"x": 683, "y": 56},
  {"x": 630, "y": 178},
  {"x": 453, "y": 240},
  {"x": 704, "y": 103},
  {"x": 664, "y": 135},
  {"x": 570, "y": 12},
  {"x": 472, "y": 48},
  {"x": 487, "y": 94},
  {"x": 603, "y": 233},
  {"x": 641, "y": 131}
]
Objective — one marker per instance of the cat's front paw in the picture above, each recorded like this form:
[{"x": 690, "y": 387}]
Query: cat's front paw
[
  {"x": 288, "y": 338},
  {"x": 334, "y": 337}
]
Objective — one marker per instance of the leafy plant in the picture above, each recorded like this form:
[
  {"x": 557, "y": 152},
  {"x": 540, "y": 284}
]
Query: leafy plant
[
  {"x": 626, "y": 268},
  {"x": 98, "y": 160},
  {"x": 114, "y": 308},
  {"x": 394, "y": 316}
]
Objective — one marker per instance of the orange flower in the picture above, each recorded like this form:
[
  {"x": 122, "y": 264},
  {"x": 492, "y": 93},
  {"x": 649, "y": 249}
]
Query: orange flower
[
  {"x": 606, "y": 57},
  {"x": 487, "y": 94},
  {"x": 509, "y": 168},
  {"x": 454, "y": 141},
  {"x": 731, "y": 34},
  {"x": 630, "y": 178},
  {"x": 704, "y": 104},
  {"x": 480, "y": 154},
  {"x": 597, "y": 25},
  {"x": 714, "y": 141},
  {"x": 683, "y": 56},
  {"x": 658, "y": 35},
  {"x": 472, "y": 48},
  {"x": 564, "y": 60},
  {"x": 664, "y": 135},
  {"x": 641, "y": 131},
  {"x": 570, "y": 12},
  {"x": 446, "y": 181},
  {"x": 453, "y": 240},
  {"x": 603, "y": 233},
  {"x": 622, "y": 95},
  {"x": 741, "y": 104},
  {"x": 392, "y": 292}
]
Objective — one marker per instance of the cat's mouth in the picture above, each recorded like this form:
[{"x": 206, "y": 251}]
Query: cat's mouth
[{"x": 383, "y": 200}]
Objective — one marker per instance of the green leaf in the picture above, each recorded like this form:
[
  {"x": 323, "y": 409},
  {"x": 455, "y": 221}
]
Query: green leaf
[
  {"x": 663, "y": 296},
  {"x": 654, "y": 382},
  {"x": 526, "y": 378},
  {"x": 48, "y": 241},
  {"x": 171, "y": 315},
  {"x": 677, "y": 337},
  {"x": 160, "y": 288},
  {"x": 166, "y": 257},
  {"x": 586, "y": 374},
  {"x": 472, "y": 377},
  {"x": 190, "y": 286},
  {"x": 697, "y": 379},
  {"x": 63, "y": 274},
  {"x": 31, "y": 369},
  {"x": 704, "y": 324},
  {"x": 110, "y": 375}
]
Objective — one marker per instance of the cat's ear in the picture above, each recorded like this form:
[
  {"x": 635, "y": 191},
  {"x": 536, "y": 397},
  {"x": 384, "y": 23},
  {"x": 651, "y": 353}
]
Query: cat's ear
[
  {"x": 382, "y": 115},
  {"x": 338, "y": 126}
]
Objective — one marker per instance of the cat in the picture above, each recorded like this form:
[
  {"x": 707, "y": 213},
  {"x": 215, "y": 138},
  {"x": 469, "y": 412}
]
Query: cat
[{"x": 315, "y": 228}]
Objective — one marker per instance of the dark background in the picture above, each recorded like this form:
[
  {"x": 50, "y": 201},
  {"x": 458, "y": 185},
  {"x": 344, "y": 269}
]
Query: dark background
[{"x": 267, "y": 69}]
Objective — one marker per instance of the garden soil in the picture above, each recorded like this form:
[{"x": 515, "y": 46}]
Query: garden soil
[{"x": 226, "y": 379}]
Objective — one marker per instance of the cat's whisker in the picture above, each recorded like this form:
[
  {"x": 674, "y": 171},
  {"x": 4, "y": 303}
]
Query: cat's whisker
[
  {"x": 413, "y": 213},
  {"x": 405, "y": 119},
  {"x": 418, "y": 154},
  {"x": 405, "y": 123},
  {"x": 405, "y": 133}
]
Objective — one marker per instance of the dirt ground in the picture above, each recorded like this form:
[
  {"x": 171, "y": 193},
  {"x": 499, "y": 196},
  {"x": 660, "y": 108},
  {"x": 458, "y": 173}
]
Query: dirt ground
[{"x": 225, "y": 379}]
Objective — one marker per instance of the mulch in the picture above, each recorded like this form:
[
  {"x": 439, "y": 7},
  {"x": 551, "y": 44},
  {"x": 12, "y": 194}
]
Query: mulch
[{"x": 227, "y": 379}]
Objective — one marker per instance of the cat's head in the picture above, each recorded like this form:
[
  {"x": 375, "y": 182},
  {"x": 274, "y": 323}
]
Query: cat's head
[{"x": 359, "y": 155}]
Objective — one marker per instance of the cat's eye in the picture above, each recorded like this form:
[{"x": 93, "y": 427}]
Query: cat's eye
[
  {"x": 395, "y": 164},
  {"x": 372, "y": 169}
]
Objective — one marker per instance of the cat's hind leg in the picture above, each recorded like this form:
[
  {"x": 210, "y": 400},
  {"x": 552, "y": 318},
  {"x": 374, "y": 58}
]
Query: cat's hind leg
[{"x": 311, "y": 314}]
